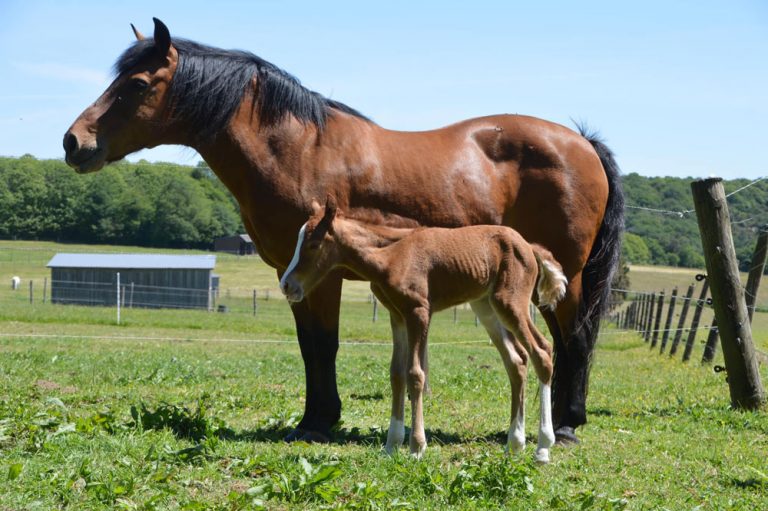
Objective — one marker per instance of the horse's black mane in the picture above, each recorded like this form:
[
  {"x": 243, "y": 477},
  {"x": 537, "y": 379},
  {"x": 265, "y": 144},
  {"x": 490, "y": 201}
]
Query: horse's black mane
[{"x": 209, "y": 85}]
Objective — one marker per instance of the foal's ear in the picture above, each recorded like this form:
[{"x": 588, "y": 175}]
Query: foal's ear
[
  {"x": 162, "y": 38},
  {"x": 139, "y": 35},
  {"x": 330, "y": 207}
]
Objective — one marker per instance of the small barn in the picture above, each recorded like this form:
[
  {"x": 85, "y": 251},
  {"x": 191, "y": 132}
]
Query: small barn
[
  {"x": 240, "y": 244},
  {"x": 146, "y": 280}
]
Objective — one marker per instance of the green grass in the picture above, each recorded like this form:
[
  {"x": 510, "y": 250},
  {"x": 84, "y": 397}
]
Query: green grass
[{"x": 186, "y": 409}]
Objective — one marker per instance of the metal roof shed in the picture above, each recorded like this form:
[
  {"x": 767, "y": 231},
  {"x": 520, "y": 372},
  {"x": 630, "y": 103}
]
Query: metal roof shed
[{"x": 146, "y": 280}]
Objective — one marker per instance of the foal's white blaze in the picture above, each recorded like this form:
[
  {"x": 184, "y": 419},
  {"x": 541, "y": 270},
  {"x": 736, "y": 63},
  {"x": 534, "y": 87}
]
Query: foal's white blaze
[
  {"x": 546, "y": 431},
  {"x": 295, "y": 260},
  {"x": 395, "y": 435}
]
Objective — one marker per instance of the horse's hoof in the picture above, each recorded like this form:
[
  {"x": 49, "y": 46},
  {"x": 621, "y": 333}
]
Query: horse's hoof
[
  {"x": 566, "y": 435},
  {"x": 294, "y": 435},
  {"x": 314, "y": 437}
]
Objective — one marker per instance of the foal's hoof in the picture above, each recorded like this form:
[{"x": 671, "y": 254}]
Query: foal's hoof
[
  {"x": 541, "y": 456},
  {"x": 566, "y": 435},
  {"x": 302, "y": 435}
]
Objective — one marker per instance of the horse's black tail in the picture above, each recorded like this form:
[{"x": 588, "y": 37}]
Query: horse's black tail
[
  {"x": 604, "y": 258},
  {"x": 571, "y": 375}
]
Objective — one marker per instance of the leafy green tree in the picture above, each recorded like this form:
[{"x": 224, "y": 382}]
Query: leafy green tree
[{"x": 635, "y": 250}]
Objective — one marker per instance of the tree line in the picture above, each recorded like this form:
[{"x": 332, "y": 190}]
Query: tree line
[
  {"x": 673, "y": 239},
  {"x": 145, "y": 204},
  {"x": 177, "y": 206}
]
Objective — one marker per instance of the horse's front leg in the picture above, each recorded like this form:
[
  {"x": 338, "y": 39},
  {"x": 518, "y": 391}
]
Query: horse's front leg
[
  {"x": 417, "y": 323},
  {"x": 398, "y": 371},
  {"x": 573, "y": 348},
  {"x": 317, "y": 326}
]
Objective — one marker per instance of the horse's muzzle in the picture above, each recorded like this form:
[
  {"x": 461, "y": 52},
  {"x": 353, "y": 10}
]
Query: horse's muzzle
[{"x": 83, "y": 159}]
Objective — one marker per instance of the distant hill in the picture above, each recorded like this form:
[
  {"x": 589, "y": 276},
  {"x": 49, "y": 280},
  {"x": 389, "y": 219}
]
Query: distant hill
[{"x": 669, "y": 239}]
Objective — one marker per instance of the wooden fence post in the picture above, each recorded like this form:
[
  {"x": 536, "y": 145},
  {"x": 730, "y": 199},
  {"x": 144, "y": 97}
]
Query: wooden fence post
[
  {"x": 375, "y": 309},
  {"x": 30, "y": 291},
  {"x": 681, "y": 323},
  {"x": 255, "y": 304},
  {"x": 668, "y": 323},
  {"x": 714, "y": 221},
  {"x": 695, "y": 323},
  {"x": 627, "y": 315},
  {"x": 756, "y": 269},
  {"x": 640, "y": 313},
  {"x": 657, "y": 321},
  {"x": 710, "y": 347},
  {"x": 649, "y": 317}
]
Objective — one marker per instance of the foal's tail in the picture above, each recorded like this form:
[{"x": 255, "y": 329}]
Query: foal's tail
[{"x": 551, "y": 282}]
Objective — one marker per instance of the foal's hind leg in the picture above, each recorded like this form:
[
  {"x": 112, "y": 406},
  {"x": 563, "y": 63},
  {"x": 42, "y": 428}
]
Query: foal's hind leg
[
  {"x": 417, "y": 322},
  {"x": 397, "y": 376},
  {"x": 515, "y": 316},
  {"x": 515, "y": 365}
]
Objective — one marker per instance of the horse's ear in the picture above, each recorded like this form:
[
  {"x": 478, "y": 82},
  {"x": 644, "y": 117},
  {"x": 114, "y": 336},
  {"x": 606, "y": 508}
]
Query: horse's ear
[
  {"x": 139, "y": 35},
  {"x": 316, "y": 207},
  {"x": 162, "y": 37}
]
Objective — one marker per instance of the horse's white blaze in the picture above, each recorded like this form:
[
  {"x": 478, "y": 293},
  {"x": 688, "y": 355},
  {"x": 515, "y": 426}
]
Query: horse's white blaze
[
  {"x": 295, "y": 260},
  {"x": 546, "y": 431},
  {"x": 395, "y": 435}
]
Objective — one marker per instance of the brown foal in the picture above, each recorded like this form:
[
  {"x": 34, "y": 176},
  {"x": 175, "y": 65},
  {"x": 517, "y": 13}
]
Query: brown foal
[{"x": 416, "y": 272}]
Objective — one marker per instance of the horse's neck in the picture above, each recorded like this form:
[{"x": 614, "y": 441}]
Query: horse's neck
[
  {"x": 364, "y": 246},
  {"x": 258, "y": 164}
]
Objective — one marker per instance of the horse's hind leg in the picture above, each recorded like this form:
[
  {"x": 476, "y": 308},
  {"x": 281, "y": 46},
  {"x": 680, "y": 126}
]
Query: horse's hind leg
[
  {"x": 515, "y": 365},
  {"x": 513, "y": 313},
  {"x": 397, "y": 376}
]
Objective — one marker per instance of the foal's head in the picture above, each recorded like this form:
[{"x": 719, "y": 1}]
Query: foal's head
[{"x": 316, "y": 253}]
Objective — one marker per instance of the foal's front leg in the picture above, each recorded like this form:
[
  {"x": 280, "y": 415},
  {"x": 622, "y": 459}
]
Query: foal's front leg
[
  {"x": 417, "y": 323},
  {"x": 398, "y": 371}
]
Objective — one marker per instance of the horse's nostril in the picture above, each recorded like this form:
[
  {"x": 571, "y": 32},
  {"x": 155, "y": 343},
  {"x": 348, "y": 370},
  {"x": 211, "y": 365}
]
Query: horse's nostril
[{"x": 70, "y": 143}]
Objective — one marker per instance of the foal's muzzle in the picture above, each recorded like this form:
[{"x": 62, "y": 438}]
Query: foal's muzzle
[{"x": 292, "y": 290}]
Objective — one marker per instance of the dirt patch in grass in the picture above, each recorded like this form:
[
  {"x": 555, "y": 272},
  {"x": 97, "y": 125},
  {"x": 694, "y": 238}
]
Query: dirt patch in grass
[{"x": 49, "y": 386}]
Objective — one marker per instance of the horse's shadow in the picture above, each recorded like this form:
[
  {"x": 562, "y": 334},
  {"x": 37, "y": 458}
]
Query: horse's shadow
[{"x": 358, "y": 436}]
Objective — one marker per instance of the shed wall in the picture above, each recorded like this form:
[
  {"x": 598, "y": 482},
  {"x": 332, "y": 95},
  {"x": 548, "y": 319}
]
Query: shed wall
[{"x": 160, "y": 288}]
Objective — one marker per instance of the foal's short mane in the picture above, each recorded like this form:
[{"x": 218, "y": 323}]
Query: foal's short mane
[
  {"x": 383, "y": 235},
  {"x": 209, "y": 85}
]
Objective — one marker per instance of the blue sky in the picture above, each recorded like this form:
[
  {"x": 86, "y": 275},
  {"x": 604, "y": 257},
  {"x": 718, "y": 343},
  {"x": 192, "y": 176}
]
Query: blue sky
[{"x": 675, "y": 87}]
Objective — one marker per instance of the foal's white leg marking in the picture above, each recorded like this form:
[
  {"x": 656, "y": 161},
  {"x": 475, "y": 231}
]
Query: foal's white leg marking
[
  {"x": 295, "y": 260},
  {"x": 395, "y": 435},
  {"x": 398, "y": 374},
  {"x": 546, "y": 432},
  {"x": 516, "y": 434}
]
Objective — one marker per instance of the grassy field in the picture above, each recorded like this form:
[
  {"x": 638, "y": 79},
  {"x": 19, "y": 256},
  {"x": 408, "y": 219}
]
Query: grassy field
[{"x": 185, "y": 410}]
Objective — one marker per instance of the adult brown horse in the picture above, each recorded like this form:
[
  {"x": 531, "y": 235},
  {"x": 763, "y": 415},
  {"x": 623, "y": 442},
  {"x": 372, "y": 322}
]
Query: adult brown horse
[{"x": 276, "y": 145}]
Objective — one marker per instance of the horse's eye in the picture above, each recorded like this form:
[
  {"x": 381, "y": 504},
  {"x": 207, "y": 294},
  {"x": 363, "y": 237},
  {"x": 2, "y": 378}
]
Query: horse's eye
[
  {"x": 313, "y": 245},
  {"x": 139, "y": 85}
]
